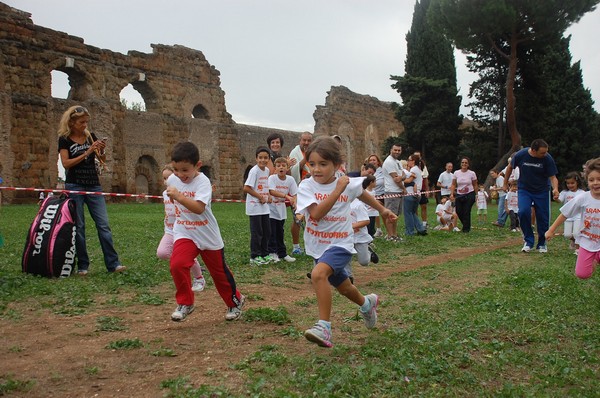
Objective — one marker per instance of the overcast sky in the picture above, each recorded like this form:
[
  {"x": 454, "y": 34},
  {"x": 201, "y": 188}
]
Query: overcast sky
[{"x": 278, "y": 58}]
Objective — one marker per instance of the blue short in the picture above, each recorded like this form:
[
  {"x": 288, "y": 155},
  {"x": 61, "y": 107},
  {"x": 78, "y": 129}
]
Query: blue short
[{"x": 336, "y": 258}]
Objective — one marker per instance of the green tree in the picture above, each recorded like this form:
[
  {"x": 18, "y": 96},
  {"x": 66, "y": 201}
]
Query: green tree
[
  {"x": 556, "y": 106},
  {"x": 475, "y": 25},
  {"x": 430, "y": 104}
]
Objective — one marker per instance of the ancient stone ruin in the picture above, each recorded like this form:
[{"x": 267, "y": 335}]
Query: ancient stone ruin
[{"x": 183, "y": 98}]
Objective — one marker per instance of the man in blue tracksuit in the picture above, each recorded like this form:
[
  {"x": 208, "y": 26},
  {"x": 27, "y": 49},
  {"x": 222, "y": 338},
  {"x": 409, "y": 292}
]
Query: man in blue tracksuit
[{"x": 537, "y": 175}]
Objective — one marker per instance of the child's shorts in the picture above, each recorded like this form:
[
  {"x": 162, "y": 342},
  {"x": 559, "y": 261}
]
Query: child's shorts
[
  {"x": 481, "y": 211},
  {"x": 336, "y": 258}
]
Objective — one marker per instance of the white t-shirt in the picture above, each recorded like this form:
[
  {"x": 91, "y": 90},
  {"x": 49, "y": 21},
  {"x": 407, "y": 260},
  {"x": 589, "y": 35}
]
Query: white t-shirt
[
  {"x": 287, "y": 187},
  {"x": 169, "y": 213},
  {"x": 202, "y": 229},
  {"x": 499, "y": 184},
  {"x": 370, "y": 210},
  {"x": 335, "y": 229},
  {"x": 418, "y": 180},
  {"x": 358, "y": 212},
  {"x": 379, "y": 183},
  {"x": 482, "y": 199},
  {"x": 588, "y": 209},
  {"x": 445, "y": 209},
  {"x": 514, "y": 176},
  {"x": 259, "y": 181},
  {"x": 464, "y": 181},
  {"x": 512, "y": 201},
  {"x": 391, "y": 165},
  {"x": 566, "y": 196},
  {"x": 445, "y": 180}
]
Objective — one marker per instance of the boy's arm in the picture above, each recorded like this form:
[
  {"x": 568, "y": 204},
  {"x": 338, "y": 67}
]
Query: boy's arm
[
  {"x": 559, "y": 220},
  {"x": 359, "y": 224},
  {"x": 369, "y": 199},
  {"x": 249, "y": 190},
  {"x": 195, "y": 206}
]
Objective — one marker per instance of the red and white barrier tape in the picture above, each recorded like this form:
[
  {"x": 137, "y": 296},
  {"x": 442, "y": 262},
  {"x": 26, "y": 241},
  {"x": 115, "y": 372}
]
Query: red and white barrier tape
[{"x": 144, "y": 196}]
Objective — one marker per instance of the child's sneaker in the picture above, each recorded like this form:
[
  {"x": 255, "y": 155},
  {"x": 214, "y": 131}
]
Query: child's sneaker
[
  {"x": 526, "y": 249},
  {"x": 378, "y": 233},
  {"x": 198, "y": 284},
  {"x": 257, "y": 261},
  {"x": 268, "y": 259},
  {"x": 181, "y": 312},
  {"x": 289, "y": 259},
  {"x": 297, "y": 251},
  {"x": 274, "y": 258},
  {"x": 234, "y": 313},
  {"x": 456, "y": 229},
  {"x": 543, "y": 249},
  {"x": 374, "y": 256},
  {"x": 370, "y": 316},
  {"x": 320, "y": 335}
]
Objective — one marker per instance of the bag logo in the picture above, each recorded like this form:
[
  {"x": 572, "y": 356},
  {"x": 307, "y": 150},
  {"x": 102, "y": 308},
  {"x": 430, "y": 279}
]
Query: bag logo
[{"x": 45, "y": 225}]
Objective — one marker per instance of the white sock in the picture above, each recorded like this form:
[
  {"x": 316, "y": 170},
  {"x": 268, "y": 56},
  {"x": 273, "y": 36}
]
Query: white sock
[
  {"x": 325, "y": 324},
  {"x": 296, "y": 245},
  {"x": 366, "y": 306}
]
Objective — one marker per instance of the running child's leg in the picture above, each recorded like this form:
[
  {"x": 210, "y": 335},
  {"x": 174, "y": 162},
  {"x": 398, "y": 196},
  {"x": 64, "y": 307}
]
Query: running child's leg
[
  {"x": 182, "y": 259},
  {"x": 320, "y": 281},
  {"x": 165, "y": 247},
  {"x": 222, "y": 276},
  {"x": 586, "y": 263}
]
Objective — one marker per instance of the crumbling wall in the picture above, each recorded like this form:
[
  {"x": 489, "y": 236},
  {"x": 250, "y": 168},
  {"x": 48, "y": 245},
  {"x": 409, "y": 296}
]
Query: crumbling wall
[{"x": 183, "y": 99}]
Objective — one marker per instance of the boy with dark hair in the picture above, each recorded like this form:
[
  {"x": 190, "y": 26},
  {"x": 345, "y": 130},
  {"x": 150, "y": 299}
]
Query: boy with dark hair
[
  {"x": 258, "y": 198},
  {"x": 196, "y": 232}
]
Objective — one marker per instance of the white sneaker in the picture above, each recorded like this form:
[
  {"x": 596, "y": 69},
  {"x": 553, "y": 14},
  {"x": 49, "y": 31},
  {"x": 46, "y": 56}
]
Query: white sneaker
[
  {"x": 526, "y": 249},
  {"x": 370, "y": 317},
  {"x": 234, "y": 313},
  {"x": 543, "y": 249},
  {"x": 181, "y": 312},
  {"x": 378, "y": 233},
  {"x": 274, "y": 258},
  {"x": 289, "y": 259},
  {"x": 198, "y": 284},
  {"x": 456, "y": 229}
]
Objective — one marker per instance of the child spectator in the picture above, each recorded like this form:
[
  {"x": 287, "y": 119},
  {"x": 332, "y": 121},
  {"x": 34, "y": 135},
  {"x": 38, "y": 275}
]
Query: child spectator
[
  {"x": 256, "y": 189},
  {"x": 574, "y": 185},
  {"x": 512, "y": 206},
  {"x": 497, "y": 187},
  {"x": 282, "y": 187},
  {"x": 446, "y": 216},
  {"x": 165, "y": 247},
  {"x": 360, "y": 221},
  {"x": 196, "y": 232},
  {"x": 588, "y": 206},
  {"x": 325, "y": 200},
  {"x": 482, "y": 197}
]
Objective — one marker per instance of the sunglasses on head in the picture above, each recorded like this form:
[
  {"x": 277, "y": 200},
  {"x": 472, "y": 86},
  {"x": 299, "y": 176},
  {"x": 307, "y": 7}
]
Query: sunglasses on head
[{"x": 79, "y": 109}]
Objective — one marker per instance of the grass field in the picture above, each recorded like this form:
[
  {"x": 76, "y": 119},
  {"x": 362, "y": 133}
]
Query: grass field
[{"x": 494, "y": 322}]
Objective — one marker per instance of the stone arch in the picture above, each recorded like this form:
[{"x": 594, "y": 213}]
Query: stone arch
[
  {"x": 146, "y": 176},
  {"x": 133, "y": 99},
  {"x": 80, "y": 88},
  {"x": 200, "y": 112},
  {"x": 148, "y": 94}
]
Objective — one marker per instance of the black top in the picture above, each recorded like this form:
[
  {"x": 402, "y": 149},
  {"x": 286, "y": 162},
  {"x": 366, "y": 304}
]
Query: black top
[{"x": 83, "y": 173}]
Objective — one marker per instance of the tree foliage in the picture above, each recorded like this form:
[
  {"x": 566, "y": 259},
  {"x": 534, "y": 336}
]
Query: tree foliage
[
  {"x": 430, "y": 104},
  {"x": 505, "y": 26}
]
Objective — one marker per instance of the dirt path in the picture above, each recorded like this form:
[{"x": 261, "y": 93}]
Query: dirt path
[{"x": 67, "y": 356}]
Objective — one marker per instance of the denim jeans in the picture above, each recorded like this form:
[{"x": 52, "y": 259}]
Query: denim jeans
[
  {"x": 541, "y": 203},
  {"x": 97, "y": 207},
  {"x": 411, "y": 220},
  {"x": 501, "y": 210}
]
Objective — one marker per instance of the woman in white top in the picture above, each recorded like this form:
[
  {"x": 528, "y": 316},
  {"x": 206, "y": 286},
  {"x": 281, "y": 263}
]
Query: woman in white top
[{"x": 413, "y": 184}]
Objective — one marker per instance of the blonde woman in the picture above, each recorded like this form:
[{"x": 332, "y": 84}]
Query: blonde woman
[{"x": 78, "y": 149}]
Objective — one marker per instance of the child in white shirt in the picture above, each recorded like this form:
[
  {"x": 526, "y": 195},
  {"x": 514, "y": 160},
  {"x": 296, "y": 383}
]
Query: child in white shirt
[
  {"x": 256, "y": 188},
  {"x": 512, "y": 206},
  {"x": 325, "y": 199},
  {"x": 574, "y": 185},
  {"x": 196, "y": 232},
  {"x": 165, "y": 247},
  {"x": 587, "y": 205},
  {"x": 282, "y": 187},
  {"x": 482, "y": 198}
]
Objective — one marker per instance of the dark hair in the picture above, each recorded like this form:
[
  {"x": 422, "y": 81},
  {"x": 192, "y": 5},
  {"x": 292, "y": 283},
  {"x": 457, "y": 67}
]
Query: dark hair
[
  {"x": 591, "y": 165},
  {"x": 367, "y": 181},
  {"x": 574, "y": 175},
  {"x": 538, "y": 143},
  {"x": 327, "y": 148},
  {"x": 274, "y": 136},
  {"x": 467, "y": 159},
  {"x": 185, "y": 151},
  {"x": 370, "y": 166},
  {"x": 263, "y": 149},
  {"x": 416, "y": 158}
]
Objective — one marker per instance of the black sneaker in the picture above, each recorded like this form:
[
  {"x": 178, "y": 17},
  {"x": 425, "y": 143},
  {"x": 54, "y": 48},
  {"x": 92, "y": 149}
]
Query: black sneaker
[{"x": 374, "y": 257}]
